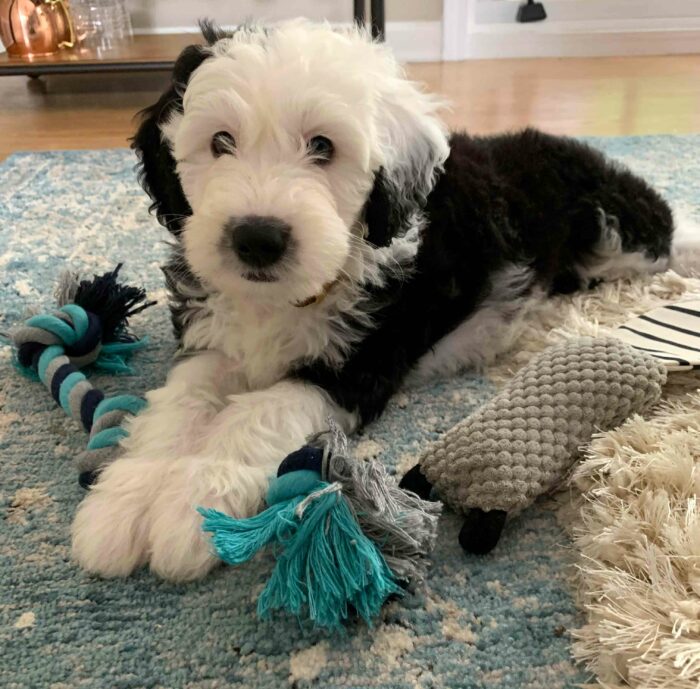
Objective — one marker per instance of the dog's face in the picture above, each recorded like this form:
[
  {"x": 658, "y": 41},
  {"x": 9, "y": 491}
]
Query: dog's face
[{"x": 287, "y": 147}]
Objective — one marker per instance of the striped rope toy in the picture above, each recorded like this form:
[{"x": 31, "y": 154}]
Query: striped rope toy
[{"x": 89, "y": 327}]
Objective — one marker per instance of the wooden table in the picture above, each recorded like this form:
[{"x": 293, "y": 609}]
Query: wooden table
[
  {"x": 140, "y": 54},
  {"x": 149, "y": 53}
]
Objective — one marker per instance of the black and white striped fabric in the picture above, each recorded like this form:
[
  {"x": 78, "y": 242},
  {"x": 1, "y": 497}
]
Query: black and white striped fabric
[{"x": 670, "y": 333}]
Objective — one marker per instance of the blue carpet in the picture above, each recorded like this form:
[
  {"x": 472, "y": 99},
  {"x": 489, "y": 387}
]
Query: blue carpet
[{"x": 498, "y": 622}]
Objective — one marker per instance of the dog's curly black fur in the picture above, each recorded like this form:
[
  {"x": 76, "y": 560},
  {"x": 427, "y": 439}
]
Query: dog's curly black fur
[{"x": 525, "y": 199}]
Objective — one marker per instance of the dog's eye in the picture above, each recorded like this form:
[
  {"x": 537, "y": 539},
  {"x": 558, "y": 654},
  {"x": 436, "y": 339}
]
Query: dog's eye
[
  {"x": 321, "y": 149},
  {"x": 222, "y": 143}
]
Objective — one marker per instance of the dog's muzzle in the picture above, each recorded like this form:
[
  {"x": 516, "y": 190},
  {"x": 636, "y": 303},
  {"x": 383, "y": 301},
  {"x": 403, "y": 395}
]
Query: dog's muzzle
[{"x": 258, "y": 241}]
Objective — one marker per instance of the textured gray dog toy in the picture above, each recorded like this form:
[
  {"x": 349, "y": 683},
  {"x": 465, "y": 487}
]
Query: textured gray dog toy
[{"x": 522, "y": 443}]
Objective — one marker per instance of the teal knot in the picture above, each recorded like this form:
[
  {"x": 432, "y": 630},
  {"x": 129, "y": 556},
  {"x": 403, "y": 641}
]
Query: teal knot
[
  {"x": 88, "y": 328},
  {"x": 292, "y": 484},
  {"x": 326, "y": 567}
]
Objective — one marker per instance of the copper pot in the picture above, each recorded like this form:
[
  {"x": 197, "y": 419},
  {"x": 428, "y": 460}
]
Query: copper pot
[{"x": 35, "y": 27}]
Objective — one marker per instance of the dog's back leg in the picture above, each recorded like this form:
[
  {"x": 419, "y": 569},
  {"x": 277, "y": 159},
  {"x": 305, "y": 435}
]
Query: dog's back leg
[
  {"x": 685, "y": 250},
  {"x": 612, "y": 258},
  {"x": 611, "y": 237}
]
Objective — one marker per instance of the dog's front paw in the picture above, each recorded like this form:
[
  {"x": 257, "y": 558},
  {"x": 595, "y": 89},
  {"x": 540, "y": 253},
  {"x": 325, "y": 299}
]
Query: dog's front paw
[
  {"x": 145, "y": 512},
  {"x": 110, "y": 529},
  {"x": 179, "y": 549}
]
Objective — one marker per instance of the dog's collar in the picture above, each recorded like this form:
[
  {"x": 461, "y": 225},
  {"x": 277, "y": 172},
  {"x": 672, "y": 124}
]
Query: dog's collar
[{"x": 317, "y": 298}]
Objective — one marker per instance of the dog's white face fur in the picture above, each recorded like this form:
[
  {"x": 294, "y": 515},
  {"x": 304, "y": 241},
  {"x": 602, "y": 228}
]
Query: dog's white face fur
[{"x": 273, "y": 92}]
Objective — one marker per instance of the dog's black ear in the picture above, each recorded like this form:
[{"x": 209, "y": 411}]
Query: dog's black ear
[
  {"x": 156, "y": 167},
  {"x": 414, "y": 147},
  {"x": 390, "y": 208},
  {"x": 385, "y": 213}
]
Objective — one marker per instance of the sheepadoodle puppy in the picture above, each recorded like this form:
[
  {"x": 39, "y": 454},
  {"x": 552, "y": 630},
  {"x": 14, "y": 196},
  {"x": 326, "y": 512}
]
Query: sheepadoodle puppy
[{"x": 330, "y": 237}]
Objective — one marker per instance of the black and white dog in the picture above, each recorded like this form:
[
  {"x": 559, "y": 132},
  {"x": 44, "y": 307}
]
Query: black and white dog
[{"x": 330, "y": 237}]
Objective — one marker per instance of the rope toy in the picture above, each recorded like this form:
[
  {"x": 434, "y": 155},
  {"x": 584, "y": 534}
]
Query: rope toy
[
  {"x": 344, "y": 535},
  {"x": 89, "y": 328},
  {"x": 346, "y": 538},
  {"x": 522, "y": 443}
]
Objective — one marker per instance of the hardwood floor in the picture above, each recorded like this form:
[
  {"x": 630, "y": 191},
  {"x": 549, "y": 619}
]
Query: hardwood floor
[
  {"x": 598, "y": 96},
  {"x": 581, "y": 96}
]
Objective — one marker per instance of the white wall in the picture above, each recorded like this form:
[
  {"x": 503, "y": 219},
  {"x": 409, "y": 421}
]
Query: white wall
[
  {"x": 413, "y": 10},
  {"x": 165, "y": 14}
]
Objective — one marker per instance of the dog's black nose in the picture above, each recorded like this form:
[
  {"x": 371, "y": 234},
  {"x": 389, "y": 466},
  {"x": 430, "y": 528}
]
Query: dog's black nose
[{"x": 259, "y": 241}]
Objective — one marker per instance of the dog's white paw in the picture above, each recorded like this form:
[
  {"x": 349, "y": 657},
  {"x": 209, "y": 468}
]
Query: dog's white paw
[
  {"x": 685, "y": 250},
  {"x": 145, "y": 512},
  {"x": 110, "y": 529},
  {"x": 179, "y": 549},
  {"x": 183, "y": 552}
]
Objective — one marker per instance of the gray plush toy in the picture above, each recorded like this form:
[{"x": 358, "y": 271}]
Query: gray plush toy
[{"x": 523, "y": 442}]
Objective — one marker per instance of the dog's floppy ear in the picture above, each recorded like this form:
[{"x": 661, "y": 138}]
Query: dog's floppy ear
[
  {"x": 414, "y": 147},
  {"x": 156, "y": 163},
  {"x": 383, "y": 218}
]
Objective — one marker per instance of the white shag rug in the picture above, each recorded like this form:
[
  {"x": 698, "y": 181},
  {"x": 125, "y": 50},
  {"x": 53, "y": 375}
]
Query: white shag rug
[{"x": 635, "y": 517}]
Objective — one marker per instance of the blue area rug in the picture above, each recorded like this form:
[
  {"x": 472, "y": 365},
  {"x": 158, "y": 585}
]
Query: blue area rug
[{"x": 498, "y": 622}]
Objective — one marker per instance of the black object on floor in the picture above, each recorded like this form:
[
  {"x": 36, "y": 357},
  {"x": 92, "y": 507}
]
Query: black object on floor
[
  {"x": 531, "y": 11},
  {"x": 415, "y": 481},
  {"x": 481, "y": 530}
]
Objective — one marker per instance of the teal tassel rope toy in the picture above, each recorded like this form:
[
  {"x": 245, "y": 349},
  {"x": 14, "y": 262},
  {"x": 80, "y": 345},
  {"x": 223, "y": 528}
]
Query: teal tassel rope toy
[
  {"x": 344, "y": 535},
  {"x": 88, "y": 328}
]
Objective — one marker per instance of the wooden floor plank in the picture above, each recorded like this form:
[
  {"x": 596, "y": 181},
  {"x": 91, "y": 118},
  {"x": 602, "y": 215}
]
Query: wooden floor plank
[{"x": 581, "y": 96}]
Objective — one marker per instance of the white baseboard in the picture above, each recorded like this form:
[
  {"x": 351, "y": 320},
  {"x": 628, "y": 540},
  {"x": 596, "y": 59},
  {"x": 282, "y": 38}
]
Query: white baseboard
[
  {"x": 410, "y": 41},
  {"x": 517, "y": 40},
  {"x": 415, "y": 41},
  {"x": 480, "y": 29},
  {"x": 504, "y": 11},
  {"x": 456, "y": 18}
]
